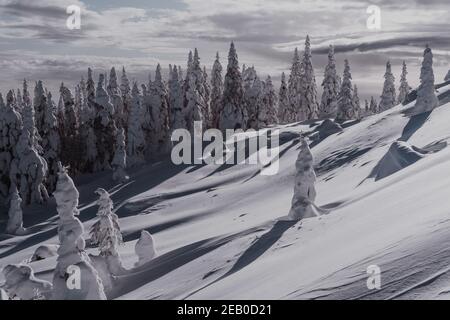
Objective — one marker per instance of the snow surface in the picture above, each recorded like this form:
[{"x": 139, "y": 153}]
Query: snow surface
[{"x": 220, "y": 231}]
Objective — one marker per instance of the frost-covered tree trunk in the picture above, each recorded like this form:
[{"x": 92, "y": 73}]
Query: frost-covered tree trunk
[
  {"x": 426, "y": 93},
  {"x": 304, "y": 190},
  {"x": 388, "y": 95},
  {"x": 233, "y": 114},
  {"x": 268, "y": 115},
  {"x": 294, "y": 87},
  {"x": 283, "y": 101},
  {"x": 15, "y": 215},
  {"x": 136, "y": 139},
  {"x": 330, "y": 84},
  {"x": 356, "y": 103},
  {"x": 176, "y": 99},
  {"x": 106, "y": 232},
  {"x": 71, "y": 253},
  {"x": 119, "y": 162},
  {"x": 404, "y": 89},
  {"x": 253, "y": 94},
  {"x": 145, "y": 248},
  {"x": 216, "y": 92},
  {"x": 308, "y": 108},
  {"x": 345, "y": 108}
]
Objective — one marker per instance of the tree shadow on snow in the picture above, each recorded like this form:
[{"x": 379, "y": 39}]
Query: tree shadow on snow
[{"x": 414, "y": 124}]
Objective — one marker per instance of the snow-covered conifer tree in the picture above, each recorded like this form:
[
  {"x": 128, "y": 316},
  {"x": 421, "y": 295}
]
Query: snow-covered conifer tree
[
  {"x": 404, "y": 89},
  {"x": 330, "y": 84},
  {"x": 426, "y": 93},
  {"x": 253, "y": 94},
  {"x": 40, "y": 104},
  {"x": 116, "y": 98},
  {"x": 373, "y": 106},
  {"x": 125, "y": 89},
  {"x": 106, "y": 232},
  {"x": 294, "y": 86},
  {"x": 19, "y": 102},
  {"x": 71, "y": 251},
  {"x": 216, "y": 92},
  {"x": 177, "y": 114},
  {"x": 356, "y": 103},
  {"x": 388, "y": 95},
  {"x": 233, "y": 115},
  {"x": 87, "y": 135},
  {"x": 136, "y": 139},
  {"x": 268, "y": 114},
  {"x": 15, "y": 215},
  {"x": 283, "y": 101},
  {"x": 145, "y": 248},
  {"x": 29, "y": 118},
  {"x": 304, "y": 190},
  {"x": 308, "y": 88},
  {"x": 119, "y": 162},
  {"x": 345, "y": 108}
]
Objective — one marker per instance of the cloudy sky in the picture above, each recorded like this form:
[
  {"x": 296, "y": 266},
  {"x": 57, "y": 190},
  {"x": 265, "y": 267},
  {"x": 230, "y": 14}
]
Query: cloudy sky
[{"x": 36, "y": 44}]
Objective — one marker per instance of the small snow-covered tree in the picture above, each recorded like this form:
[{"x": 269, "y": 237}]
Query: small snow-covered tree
[
  {"x": 404, "y": 89},
  {"x": 373, "y": 106},
  {"x": 106, "y": 232},
  {"x": 330, "y": 84},
  {"x": 71, "y": 252},
  {"x": 136, "y": 140},
  {"x": 283, "y": 101},
  {"x": 304, "y": 190},
  {"x": 308, "y": 108},
  {"x": 216, "y": 92},
  {"x": 177, "y": 114},
  {"x": 426, "y": 93},
  {"x": 15, "y": 215},
  {"x": 345, "y": 108},
  {"x": 119, "y": 162},
  {"x": 268, "y": 114},
  {"x": 145, "y": 248},
  {"x": 294, "y": 88},
  {"x": 388, "y": 95},
  {"x": 233, "y": 114},
  {"x": 356, "y": 103}
]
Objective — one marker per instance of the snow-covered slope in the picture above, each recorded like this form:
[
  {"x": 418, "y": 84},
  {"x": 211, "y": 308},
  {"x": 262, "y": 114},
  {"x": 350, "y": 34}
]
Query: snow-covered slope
[{"x": 220, "y": 233}]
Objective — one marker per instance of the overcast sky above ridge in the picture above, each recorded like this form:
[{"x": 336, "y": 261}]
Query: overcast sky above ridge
[{"x": 35, "y": 43}]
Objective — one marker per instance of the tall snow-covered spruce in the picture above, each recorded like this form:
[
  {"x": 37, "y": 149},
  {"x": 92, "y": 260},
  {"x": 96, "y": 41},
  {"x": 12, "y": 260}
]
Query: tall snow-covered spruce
[
  {"x": 308, "y": 107},
  {"x": 404, "y": 89},
  {"x": 345, "y": 107},
  {"x": 71, "y": 254},
  {"x": 177, "y": 112},
  {"x": 136, "y": 139},
  {"x": 216, "y": 92},
  {"x": 388, "y": 96},
  {"x": 294, "y": 88},
  {"x": 268, "y": 115},
  {"x": 426, "y": 93},
  {"x": 330, "y": 84}
]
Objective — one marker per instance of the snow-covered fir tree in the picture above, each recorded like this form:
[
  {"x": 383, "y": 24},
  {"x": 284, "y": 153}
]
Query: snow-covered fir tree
[
  {"x": 253, "y": 94},
  {"x": 404, "y": 89},
  {"x": 426, "y": 93},
  {"x": 104, "y": 127},
  {"x": 294, "y": 88},
  {"x": 345, "y": 107},
  {"x": 207, "y": 88},
  {"x": 216, "y": 92},
  {"x": 356, "y": 103},
  {"x": 177, "y": 114},
  {"x": 388, "y": 97},
  {"x": 330, "y": 84},
  {"x": 136, "y": 139},
  {"x": 106, "y": 234},
  {"x": 116, "y": 98},
  {"x": 71, "y": 251},
  {"x": 125, "y": 89},
  {"x": 88, "y": 139},
  {"x": 144, "y": 248},
  {"x": 283, "y": 101},
  {"x": 15, "y": 215},
  {"x": 268, "y": 114},
  {"x": 304, "y": 191},
  {"x": 119, "y": 162},
  {"x": 233, "y": 114},
  {"x": 373, "y": 106},
  {"x": 40, "y": 105},
  {"x": 308, "y": 108},
  {"x": 28, "y": 115}
]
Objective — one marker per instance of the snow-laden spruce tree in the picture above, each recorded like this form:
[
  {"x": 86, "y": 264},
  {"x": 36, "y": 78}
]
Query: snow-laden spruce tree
[
  {"x": 51, "y": 142},
  {"x": 28, "y": 115},
  {"x": 216, "y": 92},
  {"x": 330, "y": 84},
  {"x": 345, "y": 108},
  {"x": 283, "y": 101},
  {"x": 10, "y": 130},
  {"x": 373, "y": 106},
  {"x": 15, "y": 215},
  {"x": 104, "y": 127},
  {"x": 136, "y": 139},
  {"x": 388, "y": 97},
  {"x": 177, "y": 114},
  {"x": 253, "y": 95},
  {"x": 40, "y": 104},
  {"x": 125, "y": 89},
  {"x": 87, "y": 135},
  {"x": 207, "y": 87},
  {"x": 309, "y": 107},
  {"x": 116, "y": 98},
  {"x": 144, "y": 248},
  {"x": 106, "y": 234},
  {"x": 404, "y": 89},
  {"x": 304, "y": 190},
  {"x": 19, "y": 102},
  {"x": 28, "y": 171},
  {"x": 356, "y": 103},
  {"x": 268, "y": 114},
  {"x": 71, "y": 254},
  {"x": 158, "y": 137},
  {"x": 294, "y": 88},
  {"x": 426, "y": 93},
  {"x": 119, "y": 162},
  {"x": 233, "y": 114}
]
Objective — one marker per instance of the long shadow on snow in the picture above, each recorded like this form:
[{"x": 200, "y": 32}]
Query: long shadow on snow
[{"x": 414, "y": 124}]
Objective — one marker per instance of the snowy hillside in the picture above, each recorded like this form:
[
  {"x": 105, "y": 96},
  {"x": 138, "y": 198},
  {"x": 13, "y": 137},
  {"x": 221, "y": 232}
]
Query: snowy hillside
[{"x": 219, "y": 231}]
